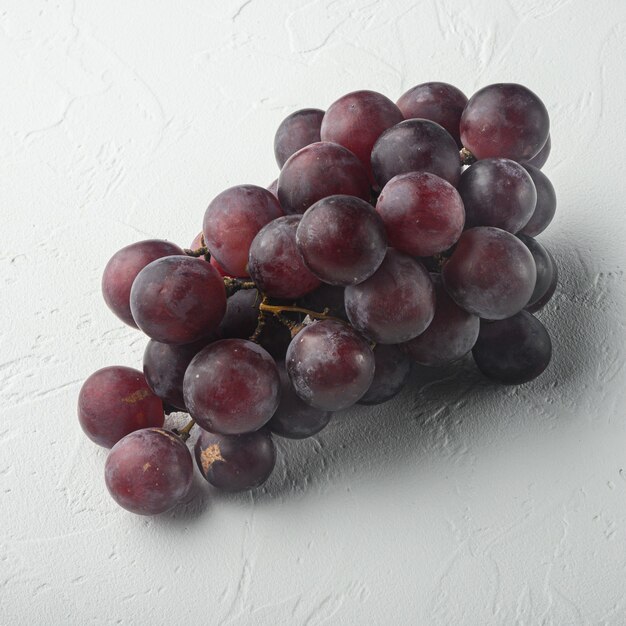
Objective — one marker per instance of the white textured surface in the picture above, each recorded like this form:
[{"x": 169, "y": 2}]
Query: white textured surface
[{"x": 458, "y": 503}]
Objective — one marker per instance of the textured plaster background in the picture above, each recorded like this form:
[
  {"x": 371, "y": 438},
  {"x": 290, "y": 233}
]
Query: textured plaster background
[{"x": 459, "y": 502}]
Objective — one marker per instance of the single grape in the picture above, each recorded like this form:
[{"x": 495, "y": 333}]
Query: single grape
[
  {"x": 235, "y": 462},
  {"x": 149, "y": 471},
  {"x": 275, "y": 264},
  {"x": 438, "y": 102},
  {"x": 231, "y": 387},
  {"x": 394, "y": 305},
  {"x": 164, "y": 367},
  {"x": 416, "y": 146},
  {"x": 220, "y": 270},
  {"x": 231, "y": 222},
  {"x": 547, "y": 274},
  {"x": 242, "y": 312},
  {"x": 326, "y": 297},
  {"x": 342, "y": 240},
  {"x": 491, "y": 273},
  {"x": 392, "y": 371},
  {"x": 545, "y": 207},
  {"x": 330, "y": 366},
  {"x": 294, "y": 418},
  {"x": 450, "y": 335},
  {"x": 122, "y": 269},
  {"x": 296, "y": 131},
  {"x": 514, "y": 350},
  {"x": 497, "y": 192},
  {"x": 357, "y": 120},
  {"x": 178, "y": 300},
  {"x": 539, "y": 160},
  {"x": 320, "y": 170},
  {"x": 423, "y": 214},
  {"x": 505, "y": 120},
  {"x": 115, "y": 401}
]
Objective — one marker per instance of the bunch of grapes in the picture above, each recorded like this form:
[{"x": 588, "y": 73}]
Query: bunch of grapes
[{"x": 395, "y": 233}]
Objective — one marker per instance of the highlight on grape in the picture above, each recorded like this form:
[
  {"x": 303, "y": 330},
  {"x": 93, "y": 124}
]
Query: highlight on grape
[{"x": 394, "y": 234}]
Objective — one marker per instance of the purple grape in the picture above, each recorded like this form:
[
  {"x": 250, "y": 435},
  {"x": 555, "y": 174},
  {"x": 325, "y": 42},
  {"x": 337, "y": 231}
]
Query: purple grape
[
  {"x": 450, "y": 335},
  {"x": 235, "y": 462},
  {"x": 330, "y": 366},
  {"x": 320, "y": 170},
  {"x": 294, "y": 418},
  {"x": 231, "y": 387},
  {"x": 505, "y": 120},
  {"x": 547, "y": 274},
  {"x": 275, "y": 264},
  {"x": 241, "y": 317},
  {"x": 178, "y": 299},
  {"x": 546, "y": 203},
  {"x": 391, "y": 373},
  {"x": 491, "y": 273},
  {"x": 539, "y": 160},
  {"x": 514, "y": 350},
  {"x": 416, "y": 146},
  {"x": 296, "y": 131},
  {"x": 326, "y": 297},
  {"x": 394, "y": 305},
  {"x": 497, "y": 192},
  {"x": 438, "y": 102},
  {"x": 342, "y": 240},
  {"x": 357, "y": 120},
  {"x": 423, "y": 214},
  {"x": 149, "y": 471},
  {"x": 115, "y": 401},
  {"x": 164, "y": 367},
  {"x": 231, "y": 222},
  {"x": 122, "y": 269}
]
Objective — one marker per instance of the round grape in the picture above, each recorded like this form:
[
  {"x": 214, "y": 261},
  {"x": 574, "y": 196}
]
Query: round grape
[
  {"x": 330, "y": 366},
  {"x": 122, "y": 269},
  {"x": 391, "y": 373},
  {"x": 505, "y": 120},
  {"x": 545, "y": 207},
  {"x": 231, "y": 387},
  {"x": 149, "y": 471},
  {"x": 296, "y": 131},
  {"x": 423, "y": 214},
  {"x": 394, "y": 305},
  {"x": 491, "y": 273},
  {"x": 177, "y": 299},
  {"x": 547, "y": 274},
  {"x": 342, "y": 240},
  {"x": 514, "y": 350}
]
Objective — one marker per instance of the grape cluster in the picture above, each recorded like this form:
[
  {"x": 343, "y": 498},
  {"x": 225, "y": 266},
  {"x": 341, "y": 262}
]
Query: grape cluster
[{"x": 395, "y": 233}]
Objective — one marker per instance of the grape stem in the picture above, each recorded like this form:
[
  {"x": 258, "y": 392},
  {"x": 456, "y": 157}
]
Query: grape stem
[
  {"x": 467, "y": 158},
  {"x": 278, "y": 309},
  {"x": 203, "y": 251},
  {"x": 235, "y": 284},
  {"x": 183, "y": 433}
]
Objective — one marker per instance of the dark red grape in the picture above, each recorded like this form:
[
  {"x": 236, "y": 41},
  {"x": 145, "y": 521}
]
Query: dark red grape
[
  {"x": 497, "y": 192},
  {"x": 438, "y": 102},
  {"x": 546, "y": 203},
  {"x": 220, "y": 270},
  {"x": 491, "y": 273},
  {"x": 547, "y": 274},
  {"x": 505, "y": 120},
  {"x": 330, "y": 366},
  {"x": 177, "y": 299},
  {"x": 514, "y": 350},
  {"x": 149, "y": 471},
  {"x": 342, "y": 240},
  {"x": 394, "y": 305},
  {"x": 242, "y": 313},
  {"x": 294, "y": 418},
  {"x": 320, "y": 170},
  {"x": 416, "y": 146},
  {"x": 392, "y": 371},
  {"x": 231, "y": 387},
  {"x": 450, "y": 335},
  {"x": 235, "y": 462},
  {"x": 423, "y": 214},
  {"x": 231, "y": 222},
  {"x": 275, "y": 264},
  {"x": 326, "y": 297},
  {"x": 115, "y": 401},
  {"x": 122, "y": 269},
  {"x": 357, "y": 120},
  {"x": 164, "y": 367},
  {"x": 539, "y": 160},
  {"x": 296, "y": 131}
]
